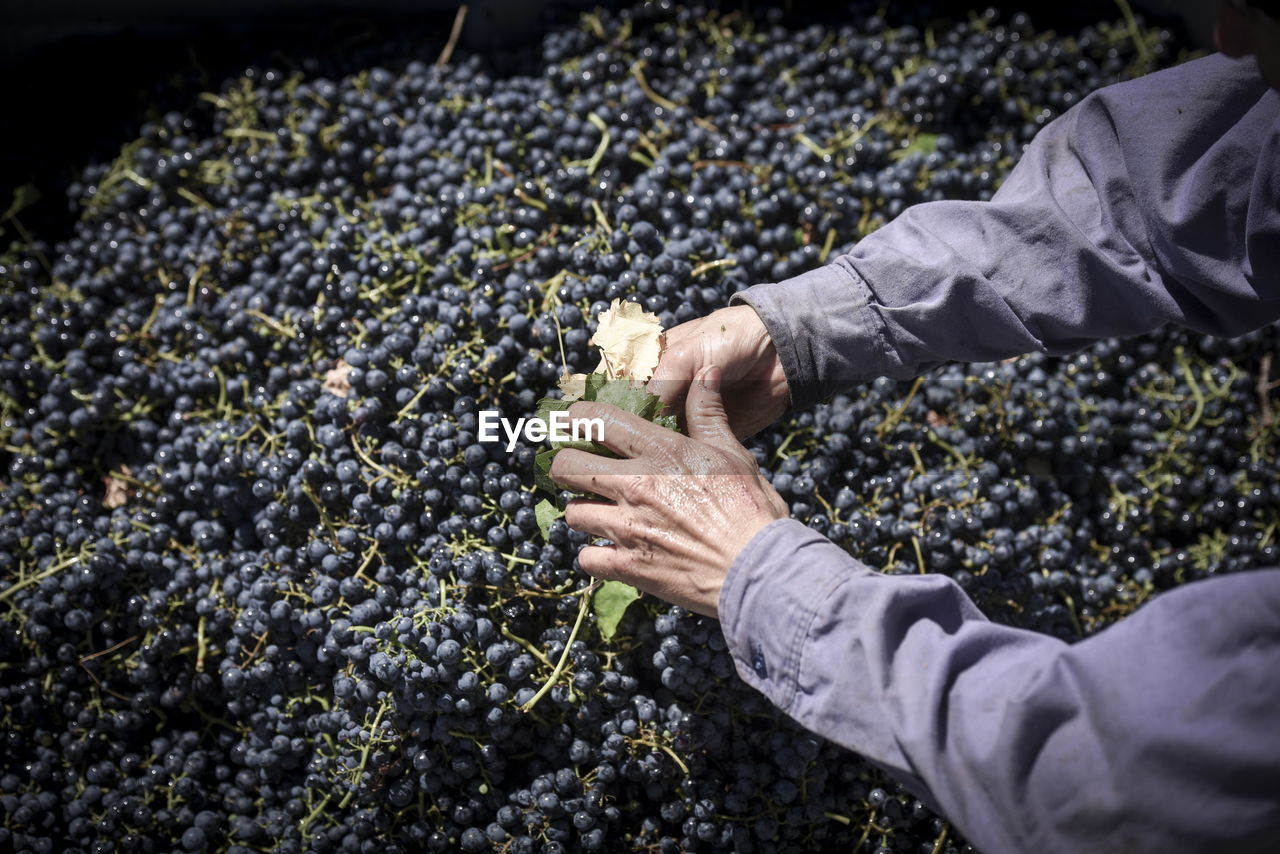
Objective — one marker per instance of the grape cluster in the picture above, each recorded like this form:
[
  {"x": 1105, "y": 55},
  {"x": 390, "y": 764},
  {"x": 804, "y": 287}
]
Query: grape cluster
[{"x": 261, "y": 586}]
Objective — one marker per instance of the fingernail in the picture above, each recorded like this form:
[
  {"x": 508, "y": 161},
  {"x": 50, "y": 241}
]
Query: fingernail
[{"x": 710, "y": 378}]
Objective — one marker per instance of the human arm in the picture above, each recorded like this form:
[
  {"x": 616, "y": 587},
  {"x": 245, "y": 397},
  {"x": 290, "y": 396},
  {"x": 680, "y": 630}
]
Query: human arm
[
  {"x": 1153, "y": 201},
  {"x": 1157, "y": 734}
]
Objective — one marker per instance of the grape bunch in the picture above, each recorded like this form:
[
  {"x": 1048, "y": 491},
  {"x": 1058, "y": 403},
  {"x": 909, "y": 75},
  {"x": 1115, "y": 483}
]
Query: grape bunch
[{"x": 262, "y": 588}]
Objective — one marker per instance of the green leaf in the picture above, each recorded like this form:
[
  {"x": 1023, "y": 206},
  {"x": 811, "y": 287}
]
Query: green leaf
[
  {"x": 620, "y": 393},
  {"x": 668, "y": 421},
  {"x": 924, "y": 143},
  {"x": 542, "y": 470},
  {"x": 546, "y": 513},
  {"x": 594, "y": 383},
  {"x": 23, "y": 197},
  {"x": 632, "y": 398},
  {"x": 548, "y": 405},
  {"x": 610, "y": 603}
]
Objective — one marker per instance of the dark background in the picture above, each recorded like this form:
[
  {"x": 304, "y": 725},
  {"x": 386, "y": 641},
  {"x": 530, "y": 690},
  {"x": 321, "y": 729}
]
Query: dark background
[{"x": 81, "y": 75}]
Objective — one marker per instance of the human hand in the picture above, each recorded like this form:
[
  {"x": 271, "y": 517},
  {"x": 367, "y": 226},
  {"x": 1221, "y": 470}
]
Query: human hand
[
  {"x": 754, "y": 385},
  {"x": 680, "y": 508}
]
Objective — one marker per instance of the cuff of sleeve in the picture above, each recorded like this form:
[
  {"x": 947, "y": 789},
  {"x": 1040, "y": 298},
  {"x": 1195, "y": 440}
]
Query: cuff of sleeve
[
  {"x": 825, "y": 329},
  {"x": 774, "y": 591}
]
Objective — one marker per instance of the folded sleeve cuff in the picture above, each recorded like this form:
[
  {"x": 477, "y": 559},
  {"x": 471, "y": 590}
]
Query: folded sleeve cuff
[
  {"x": 775, "y": 590},
  {"x": 828, "y": 336}
]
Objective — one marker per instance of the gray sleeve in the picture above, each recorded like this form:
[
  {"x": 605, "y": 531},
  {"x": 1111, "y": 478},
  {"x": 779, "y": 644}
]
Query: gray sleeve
[
  {"x": 1152, "y": 201},
  {"x": 1161, "y": 733}
]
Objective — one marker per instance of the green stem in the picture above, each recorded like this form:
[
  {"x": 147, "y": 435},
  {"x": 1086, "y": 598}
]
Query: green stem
[
  {"x": 564, "y": 656},
  {"x": 1135, "y": 32},
  {"x": 897, "y": 414},
  {"x": 1180, "y": 355},
  {"x": 605, "y": 137},
  {"x": 941, "y": 840},
  {"x": 306, "y": 822},
  {"x": 36, "y": 579},
  {"x": 364, "y": 758},
  {"x": 532, "y": 650}
]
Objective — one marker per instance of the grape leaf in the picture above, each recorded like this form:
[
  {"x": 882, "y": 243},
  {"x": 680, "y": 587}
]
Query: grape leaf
[
  {"x": 548, "y": 405},
  {"x": 572, "y": 386},
  {"x": 925, "y": 143},
  {"x": 542, "y": 470},
  {"x": 593, "y": 384},
  {"x": 630, "y": 340},
  {"x": 632, "y": 398},
  {"x": 546, "y": 513},
  {"x": 610, "y": 603},
  {"x": 620, "y": 393}
]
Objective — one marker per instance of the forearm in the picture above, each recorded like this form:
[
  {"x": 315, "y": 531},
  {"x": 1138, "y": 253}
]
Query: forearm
[
  {"x": 1149, "y": 202},
  {"x": 1161, "y": 727}
]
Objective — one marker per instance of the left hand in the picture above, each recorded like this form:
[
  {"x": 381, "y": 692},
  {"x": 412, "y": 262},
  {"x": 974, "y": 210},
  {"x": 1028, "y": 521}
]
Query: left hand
[{"x": 680, "y": 508}]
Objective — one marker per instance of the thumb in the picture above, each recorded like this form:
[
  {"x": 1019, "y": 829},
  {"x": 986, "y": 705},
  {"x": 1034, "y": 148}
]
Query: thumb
[
  {"x": 704, "y": 409},
  {"x": 671, "y": 377}
]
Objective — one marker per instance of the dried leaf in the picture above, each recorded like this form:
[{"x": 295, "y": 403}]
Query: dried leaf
[
  {"x": 630, "y": 341},
  {"x": 119, "y": 490},
  {"x": 572, "y": 386},
  {"x": 335, "y": 379}
]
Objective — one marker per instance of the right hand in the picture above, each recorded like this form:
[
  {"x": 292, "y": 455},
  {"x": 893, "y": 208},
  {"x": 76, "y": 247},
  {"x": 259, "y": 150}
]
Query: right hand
[{"x": 754, "y": 386}]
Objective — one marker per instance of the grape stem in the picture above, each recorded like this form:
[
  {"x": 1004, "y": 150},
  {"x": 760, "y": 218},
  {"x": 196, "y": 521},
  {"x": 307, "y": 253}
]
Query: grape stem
[
  {"x": 454, "y": 34},
  {"x": 1180, "y": 355},
  {"x": 568, "y": 645},
  {"x": 532, "y": 650},
  {"x": 941, "y": 840},
  {"x": 38, "y": 577},
  {"x": 364, "y": 757}
]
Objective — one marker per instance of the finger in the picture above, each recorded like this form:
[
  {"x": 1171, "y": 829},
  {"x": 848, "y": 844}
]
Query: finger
[
  {"x": 682, "y": 353},
  {"x": 600, "y": 518},
  {"x": 584, "y": 471},
  {"x": 622, "y": 432},
  {"x": 603, "y": 562},
  {"x": 704, "y": 411}
]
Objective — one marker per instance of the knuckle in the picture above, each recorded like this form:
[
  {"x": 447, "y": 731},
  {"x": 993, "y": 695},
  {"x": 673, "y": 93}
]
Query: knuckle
[
  {"x": 627, "y": 568},
  {"x": 634, "y": 530},
  {"x": 633, "y": 488},
  {"x": 665, "y": 455}
]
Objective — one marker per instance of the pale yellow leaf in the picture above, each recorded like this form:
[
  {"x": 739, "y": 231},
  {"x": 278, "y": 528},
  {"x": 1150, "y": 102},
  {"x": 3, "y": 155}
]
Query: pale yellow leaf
[
  {"x": 572, "y": 386},
  {"x": 118, "y": 489},
  {"x": 630, "y": 341},
  {"x": 335, "y": 379}
]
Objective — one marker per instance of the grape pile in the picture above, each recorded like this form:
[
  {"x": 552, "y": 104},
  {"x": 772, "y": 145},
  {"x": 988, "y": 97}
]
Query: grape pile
[{"x": 262, "y": 589}]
